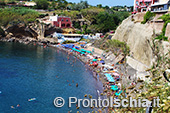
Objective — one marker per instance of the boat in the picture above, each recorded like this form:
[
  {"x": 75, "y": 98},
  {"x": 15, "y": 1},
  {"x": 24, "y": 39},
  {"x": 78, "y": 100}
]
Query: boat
[{"x": 32, "y": 99}]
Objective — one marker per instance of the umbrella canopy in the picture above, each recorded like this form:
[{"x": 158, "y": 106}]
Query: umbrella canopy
[
  {"x": 109, "y": 77},
  {"x": 95, "y": 63},
  {"x": 94, "y": 60},
  {"x": 102, "y": 61},
  {"x": 114, "y": 87},
  {"x": 115, "y": 74},
  {"x": 77, "y": 47},
  {"x": 99, "y": 59},
  {"x": 117, "y": 94},
  {"x": 82, "y": 53}
]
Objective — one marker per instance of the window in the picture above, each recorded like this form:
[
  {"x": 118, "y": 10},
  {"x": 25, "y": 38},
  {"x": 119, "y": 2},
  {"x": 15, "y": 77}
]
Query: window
[
  {"x": 68, "y": 25},
  {"x": 62, "y": 20},
  {"x": 63, "y": 25},
  {"x": 67, "y": 20}
]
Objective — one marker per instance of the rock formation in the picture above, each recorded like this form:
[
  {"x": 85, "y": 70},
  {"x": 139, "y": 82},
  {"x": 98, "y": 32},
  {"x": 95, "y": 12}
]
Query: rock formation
[{"x": 136, "y": 35}]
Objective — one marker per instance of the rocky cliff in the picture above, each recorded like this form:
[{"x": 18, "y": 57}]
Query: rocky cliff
[
  {"x": 136, "y": 35},
  {"x": 33, "y": 31}
]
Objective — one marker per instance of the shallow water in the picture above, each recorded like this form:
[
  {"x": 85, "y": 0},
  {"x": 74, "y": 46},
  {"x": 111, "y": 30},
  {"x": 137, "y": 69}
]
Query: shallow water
[{"x": 28, "y": 71}]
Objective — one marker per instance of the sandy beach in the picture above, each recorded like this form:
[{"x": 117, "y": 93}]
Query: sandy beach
[{"x": 122, "y": 82}]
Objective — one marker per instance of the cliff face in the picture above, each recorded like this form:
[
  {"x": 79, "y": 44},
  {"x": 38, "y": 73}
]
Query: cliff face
[
  {"x": 32, "y": 30},
  {"x": 136, "y": 35}
]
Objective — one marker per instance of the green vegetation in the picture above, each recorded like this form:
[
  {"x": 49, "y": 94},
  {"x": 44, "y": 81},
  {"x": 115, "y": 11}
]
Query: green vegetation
[
  {"x": 17, "y": 15},
  {"x": 118, "y": 46},
  {"x": 166, "y": 19},
  {"x": 148, "y": 16},
  {"x": 114, "y": 45},
  {"x": 92, "y": 18},
  {"x": 41, "y": 4}
]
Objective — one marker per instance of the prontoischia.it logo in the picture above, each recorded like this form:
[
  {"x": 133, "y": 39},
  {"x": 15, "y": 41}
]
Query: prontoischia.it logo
[{"x": 110, "y": 102}]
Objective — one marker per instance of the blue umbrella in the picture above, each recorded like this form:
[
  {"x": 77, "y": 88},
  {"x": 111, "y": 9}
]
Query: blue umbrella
[{"x": 102, "y": 61}]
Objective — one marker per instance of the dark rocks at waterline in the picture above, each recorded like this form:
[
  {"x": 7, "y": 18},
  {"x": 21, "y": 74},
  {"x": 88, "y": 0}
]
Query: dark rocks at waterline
[{"x": 28, "y": 40}]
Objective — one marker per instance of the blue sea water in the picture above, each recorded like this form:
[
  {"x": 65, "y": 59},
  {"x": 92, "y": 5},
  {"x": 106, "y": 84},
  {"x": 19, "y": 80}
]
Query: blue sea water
[{"x": 28, "y": 71}]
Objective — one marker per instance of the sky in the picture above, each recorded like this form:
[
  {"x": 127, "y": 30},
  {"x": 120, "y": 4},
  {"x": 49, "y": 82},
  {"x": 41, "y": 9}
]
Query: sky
[{"x": 107, "y": 2}]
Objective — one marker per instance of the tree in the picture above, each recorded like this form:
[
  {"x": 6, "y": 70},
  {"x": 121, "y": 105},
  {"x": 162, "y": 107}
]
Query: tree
[
  {"x": 106, "y": 7},
  {"x": 62, "y": 4},
  {"x": 41, "y": 4},
  {"x": 106, "y": 22},
  {"x": 99, "y": 5}
]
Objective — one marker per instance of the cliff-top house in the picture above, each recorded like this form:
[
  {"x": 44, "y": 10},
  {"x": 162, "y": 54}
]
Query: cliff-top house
[
  {"x": 142, "y": 5},
  {"x": 160, "y": 6},
  {"x": 59, "y": 21}
]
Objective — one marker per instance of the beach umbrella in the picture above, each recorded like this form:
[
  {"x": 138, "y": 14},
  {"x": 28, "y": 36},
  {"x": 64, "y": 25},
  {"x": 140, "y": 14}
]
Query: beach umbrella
[
  {"x": 77, "y": 47},
  {"x": 95, "y": 63},
  {"x": 99, "y": 59},
  {"x": 115, "y": 74},
  {"x": 117, "y": 94},
  {"x": 102, "y": 61},
  {"x": 94, "y": 60},
  {"x": 114, "y": 87},
  {"x": 82, "y": 53}
]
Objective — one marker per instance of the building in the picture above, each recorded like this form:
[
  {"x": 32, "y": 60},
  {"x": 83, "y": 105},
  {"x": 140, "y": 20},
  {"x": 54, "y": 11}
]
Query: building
[
  {"x": 29, "y": 4},
  {"x": 73, "y": 37},
  {"x": 160, "y": 6},
  {"x": 142, "y": 5},
  {"x": 59, "y": 21}
]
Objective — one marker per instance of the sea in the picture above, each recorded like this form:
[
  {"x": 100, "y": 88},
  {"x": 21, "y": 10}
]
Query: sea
[{"x": 32, "y": 71}]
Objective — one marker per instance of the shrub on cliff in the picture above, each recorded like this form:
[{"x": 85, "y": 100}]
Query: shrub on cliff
[
  {"x": 166, "y": 19},
  {"x": 148, "y": 16}
]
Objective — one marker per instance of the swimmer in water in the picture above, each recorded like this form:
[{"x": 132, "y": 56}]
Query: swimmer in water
[
  {"x": 12, "y": 107},
  {"x": 67, "y": 81},
  {"x": 77, "y": 85},
  {"x": 69, "y": 84},
  {"x": 73, "y": 81},
  {"x": 56, "y": 76},
  {"x": 18, "y": 105}
]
